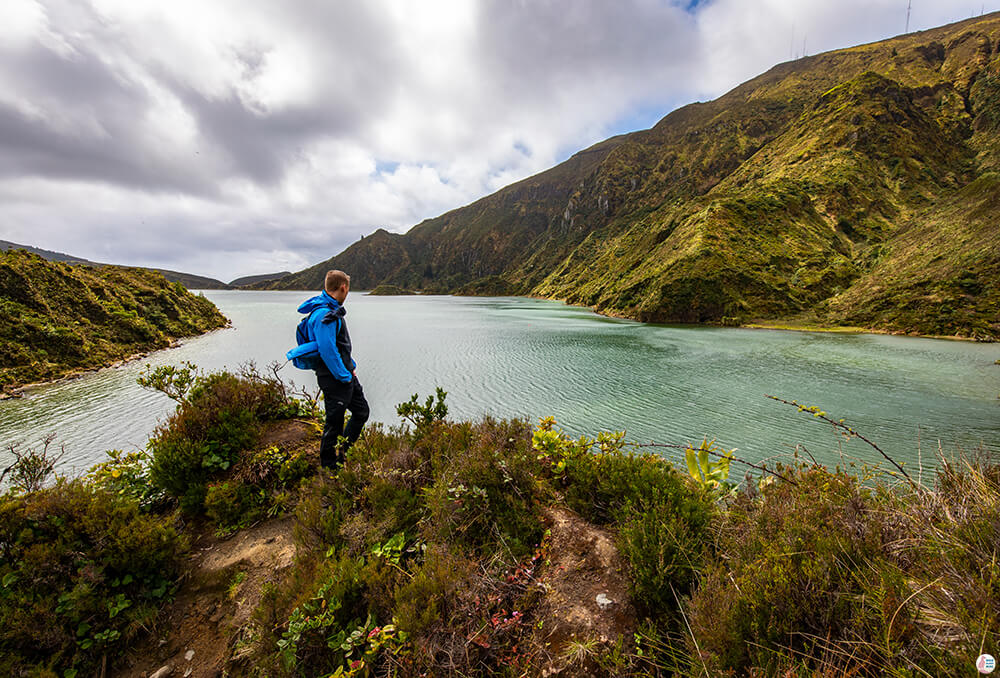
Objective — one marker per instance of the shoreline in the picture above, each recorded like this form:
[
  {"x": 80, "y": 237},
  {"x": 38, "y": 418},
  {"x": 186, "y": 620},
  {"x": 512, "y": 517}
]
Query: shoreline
[
  {"x": 23, "y": 390},
  {"x": 778, "y": 324}
]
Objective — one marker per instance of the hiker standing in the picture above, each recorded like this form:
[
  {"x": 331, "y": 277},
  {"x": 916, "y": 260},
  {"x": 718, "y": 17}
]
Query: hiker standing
[{"x": 334, "y": 368}]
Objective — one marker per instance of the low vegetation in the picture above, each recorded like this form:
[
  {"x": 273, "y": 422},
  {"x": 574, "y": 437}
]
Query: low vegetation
[
  {"x": 429, "y": 551},
  {"x": 57, "y": 318}
]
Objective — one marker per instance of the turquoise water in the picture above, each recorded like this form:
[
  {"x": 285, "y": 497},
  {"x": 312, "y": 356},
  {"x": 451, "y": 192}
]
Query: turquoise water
[{"x": 532, "y": 358}]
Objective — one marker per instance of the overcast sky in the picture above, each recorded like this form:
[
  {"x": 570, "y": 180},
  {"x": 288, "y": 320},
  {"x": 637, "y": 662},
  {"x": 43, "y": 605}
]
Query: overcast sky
[{"x": 235, "y": 137}]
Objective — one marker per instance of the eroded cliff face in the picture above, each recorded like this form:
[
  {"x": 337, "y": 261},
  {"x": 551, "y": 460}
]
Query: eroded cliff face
[{"x": 851, "y": 187}]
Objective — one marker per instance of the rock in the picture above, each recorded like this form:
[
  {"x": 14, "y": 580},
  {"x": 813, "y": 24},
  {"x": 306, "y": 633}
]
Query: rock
[{"x": 162, "y": 672}]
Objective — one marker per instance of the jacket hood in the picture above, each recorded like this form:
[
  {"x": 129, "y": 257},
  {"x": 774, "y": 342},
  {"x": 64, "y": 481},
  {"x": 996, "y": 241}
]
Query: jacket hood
[{"x": 322, "y": 300}]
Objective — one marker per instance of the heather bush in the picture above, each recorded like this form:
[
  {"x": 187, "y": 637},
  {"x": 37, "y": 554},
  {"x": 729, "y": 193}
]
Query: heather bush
[
  {"x": 83, "y": 570},
  {"x": 232, "y": 505},
  {"x": 661, "y": 516},
  {"x": 832, "y": 576},
  {"x": 487, "y": 496},
  {"x": 430, "y": 599},
  {"x": 260, "y": 485},
  {"x": 218, "y": 416},
  {"x": 415, "y": 512}
]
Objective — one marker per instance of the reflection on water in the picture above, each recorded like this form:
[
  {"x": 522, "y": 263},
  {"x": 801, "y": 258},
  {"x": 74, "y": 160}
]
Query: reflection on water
[{"x": 530, "y": 358}]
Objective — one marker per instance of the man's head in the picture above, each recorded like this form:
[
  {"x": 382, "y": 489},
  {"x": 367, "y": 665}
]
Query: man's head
[{"x": 337, "y": 285}]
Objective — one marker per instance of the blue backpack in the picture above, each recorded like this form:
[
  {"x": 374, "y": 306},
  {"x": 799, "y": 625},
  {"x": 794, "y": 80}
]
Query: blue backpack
[{"x": 305, "y": 355}]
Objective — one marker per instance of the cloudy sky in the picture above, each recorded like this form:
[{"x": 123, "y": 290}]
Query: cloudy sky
[{"x": 235, "y": 137}]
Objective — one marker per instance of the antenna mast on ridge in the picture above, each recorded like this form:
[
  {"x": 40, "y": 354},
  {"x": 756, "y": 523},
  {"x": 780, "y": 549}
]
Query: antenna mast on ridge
[{"x": 909, "y": 3}]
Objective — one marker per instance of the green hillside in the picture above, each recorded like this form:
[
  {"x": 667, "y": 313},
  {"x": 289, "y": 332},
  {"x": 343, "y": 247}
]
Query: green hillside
[
  {"x": 855, "y": 187},
  {"x": 189, "y": 280},
  {"x": 57, "y": 318}
]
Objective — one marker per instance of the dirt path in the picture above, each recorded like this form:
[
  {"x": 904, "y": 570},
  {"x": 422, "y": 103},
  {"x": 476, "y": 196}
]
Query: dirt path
[
  {"x": 193, "y": 636},
  {"x": 586, "y": 606}
]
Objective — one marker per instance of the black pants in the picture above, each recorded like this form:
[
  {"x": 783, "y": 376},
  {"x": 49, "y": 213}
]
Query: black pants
[{"x": 339, "y": 397}]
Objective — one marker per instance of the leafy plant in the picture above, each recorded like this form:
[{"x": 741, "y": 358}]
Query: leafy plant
[
  {"x": 82, "y": 569},
  {"x": 127, "y": 474},
  {"x": 712, "y": 474},
  {"x": 219, "y": 416},
  {"x": 174, "y": 381},
  {"x": 434, "y": 409}
]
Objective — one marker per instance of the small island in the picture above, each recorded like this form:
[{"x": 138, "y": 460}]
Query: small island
[{"x": 58, "y": 319}]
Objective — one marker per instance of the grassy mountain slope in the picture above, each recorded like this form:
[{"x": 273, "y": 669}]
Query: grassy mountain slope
[
  {"x": 250, "y": 279},
  {"x": 851, "y": 187},
  {"x": 189, "y": 280},
  {"x": 56, "y": 318}
]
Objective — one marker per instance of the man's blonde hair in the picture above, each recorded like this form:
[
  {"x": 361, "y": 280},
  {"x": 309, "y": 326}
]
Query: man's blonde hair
[{"x": 335, "y": 280}]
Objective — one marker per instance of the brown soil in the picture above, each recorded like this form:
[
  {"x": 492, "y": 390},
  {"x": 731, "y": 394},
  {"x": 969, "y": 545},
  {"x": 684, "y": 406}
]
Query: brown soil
[
  {"x": 290, "y": 434},
  {"x": 221, "y": 587},
  {"x": 586, "y": 603},
  {"x": 221, "y": 590}
]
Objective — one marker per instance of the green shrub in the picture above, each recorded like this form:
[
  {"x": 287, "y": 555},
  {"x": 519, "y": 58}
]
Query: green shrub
[
  {"x": 82, "y": 570},
  {"x": 662, "y": 517},
  {"x": 314, "y": 621},
  {"x": 178, "y": 468},
  {"x": 431, "y": 597},
  {"x": 319, "y": 627},
  {"x": 218, "y": 416},
  {"x": 127, "y": 475},
  {"x": 319, "y": 515},
  {"x": 433, "y": 410},
  {"x": 803, "y": 570},
  {"x": 487, "y": 498},
  {"x": 231, "y": 505}
]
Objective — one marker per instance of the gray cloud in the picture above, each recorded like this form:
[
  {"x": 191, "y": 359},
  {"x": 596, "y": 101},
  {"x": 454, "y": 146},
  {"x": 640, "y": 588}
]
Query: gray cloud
[
  {"x": 242, "y": 136},
  {"x": 69, "y": 117}
]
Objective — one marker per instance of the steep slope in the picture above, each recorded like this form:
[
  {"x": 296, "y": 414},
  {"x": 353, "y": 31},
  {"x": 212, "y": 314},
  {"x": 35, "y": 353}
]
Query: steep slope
[
  {"x": 852, "y": 187},
  {"x": 57, "y": 318}
]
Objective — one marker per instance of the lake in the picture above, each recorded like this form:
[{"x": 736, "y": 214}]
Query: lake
[{"x": 530, "y": 358}]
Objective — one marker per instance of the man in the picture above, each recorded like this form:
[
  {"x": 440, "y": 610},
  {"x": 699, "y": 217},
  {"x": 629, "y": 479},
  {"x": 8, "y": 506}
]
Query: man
[{"x": 335, "y": 369}]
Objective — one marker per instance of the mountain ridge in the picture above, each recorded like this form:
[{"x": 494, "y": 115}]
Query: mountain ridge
[
  {"x": 799, "y": 195},
  {"x": 189, "y": 280}
]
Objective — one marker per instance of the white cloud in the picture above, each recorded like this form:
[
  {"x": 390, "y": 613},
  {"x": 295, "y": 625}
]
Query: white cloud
[{"x": 243, "y": 136}]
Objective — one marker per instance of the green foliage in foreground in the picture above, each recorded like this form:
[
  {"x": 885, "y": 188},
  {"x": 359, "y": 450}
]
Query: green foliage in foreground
[
  {"x": 56, "y": 318},
  {"x": 421, "y": 556},
  {"x": 835, "y": 577},
  {"x": 420, "y": 546},
  {"x": 86, "y": 564},
  {"x": 218, "y": 416},
  {"x": 83, "y": 570},
  {"x": 810, "y": 572}
]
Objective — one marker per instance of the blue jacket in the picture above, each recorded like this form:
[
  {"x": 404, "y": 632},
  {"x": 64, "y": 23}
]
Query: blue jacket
[{"x": 327, "y": 328}]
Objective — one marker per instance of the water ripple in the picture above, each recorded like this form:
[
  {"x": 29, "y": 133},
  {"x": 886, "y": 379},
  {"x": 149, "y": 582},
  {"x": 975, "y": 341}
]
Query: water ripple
[{"x": 531, "y": 358}]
